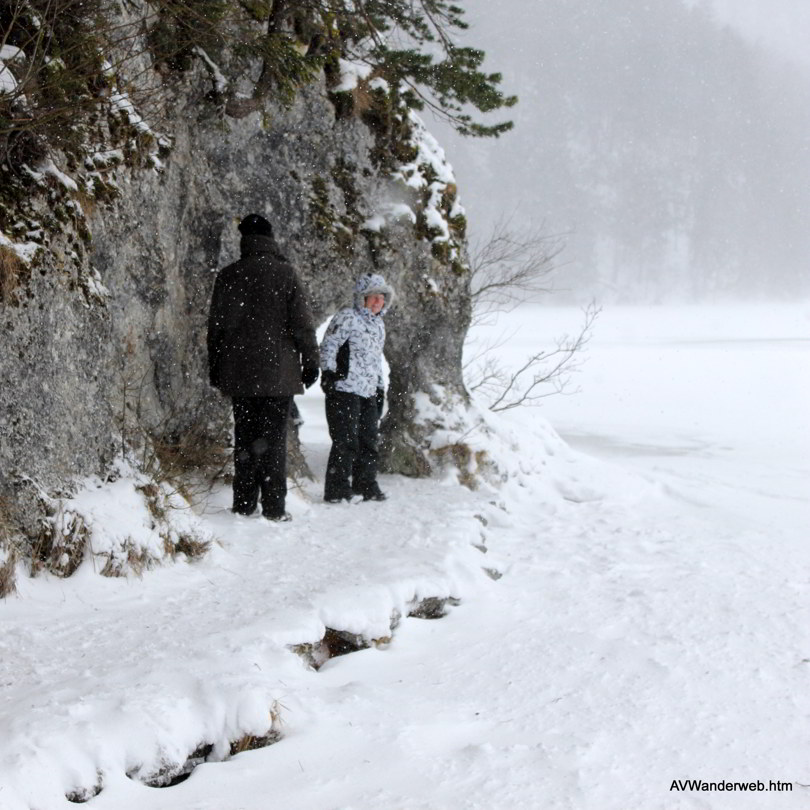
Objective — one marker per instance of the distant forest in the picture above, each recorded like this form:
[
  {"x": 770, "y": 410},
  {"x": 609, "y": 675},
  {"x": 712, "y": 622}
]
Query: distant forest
[{"x": 674, "y": 154}]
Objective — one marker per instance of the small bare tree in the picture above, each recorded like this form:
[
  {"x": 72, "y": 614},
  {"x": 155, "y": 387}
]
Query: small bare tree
[
  {"x": 542, "y": 374},
  {"x": 511, "y": 268},
  {"x": 508, "y": 269}
]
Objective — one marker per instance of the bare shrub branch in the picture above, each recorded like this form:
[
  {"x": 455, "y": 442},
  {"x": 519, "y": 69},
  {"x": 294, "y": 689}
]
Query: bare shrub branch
[
  {"x": 511, "y": 268},
  {"x": 508, "y": 269},
  {"x": 545, "y": 373}
]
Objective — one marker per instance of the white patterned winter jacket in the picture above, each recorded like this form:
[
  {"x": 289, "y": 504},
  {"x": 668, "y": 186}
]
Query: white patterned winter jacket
[{"x": 353, "y": 344}]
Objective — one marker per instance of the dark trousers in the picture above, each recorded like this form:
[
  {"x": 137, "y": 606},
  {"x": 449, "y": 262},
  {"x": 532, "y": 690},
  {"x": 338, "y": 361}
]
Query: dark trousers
[
  {"x": 352, "y": 421},
  {"x": 260, "y": 454}
]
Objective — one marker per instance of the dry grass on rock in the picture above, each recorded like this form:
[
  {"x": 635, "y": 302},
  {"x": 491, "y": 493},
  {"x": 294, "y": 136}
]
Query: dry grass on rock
[
  {"x": 62, "y": 542},
  {"x": 8, "y": 565},
  {"x": 8, "y": 554},
  {"x": 12, "y": 270},
  {"x": 471, "y": 465}
]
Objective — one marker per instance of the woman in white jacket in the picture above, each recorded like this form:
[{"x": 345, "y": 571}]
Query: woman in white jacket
[{"x": 351, "y": 363}]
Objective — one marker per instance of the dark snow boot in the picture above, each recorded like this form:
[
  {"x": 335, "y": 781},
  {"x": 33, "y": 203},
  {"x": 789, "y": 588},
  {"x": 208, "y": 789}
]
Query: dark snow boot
[
  {"x": 350, "y": 498},
  {"x": 371, "y": 493},
  {"x": 278, "y": 517}
]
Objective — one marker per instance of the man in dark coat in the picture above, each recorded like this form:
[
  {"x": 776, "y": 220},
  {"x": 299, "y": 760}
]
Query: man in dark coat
[{"x": 261, "y": 352}]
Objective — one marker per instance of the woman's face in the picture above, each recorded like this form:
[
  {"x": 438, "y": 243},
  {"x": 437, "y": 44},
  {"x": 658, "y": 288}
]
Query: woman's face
[{"x": 375, "y": 302}]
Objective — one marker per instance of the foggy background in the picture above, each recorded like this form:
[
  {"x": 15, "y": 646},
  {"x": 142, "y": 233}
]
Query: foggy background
[{"x": 669, "y": 140}]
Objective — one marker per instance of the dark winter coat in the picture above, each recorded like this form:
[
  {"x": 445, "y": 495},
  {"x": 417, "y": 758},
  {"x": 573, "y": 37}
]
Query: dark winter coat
[{"x": 260, "y": 331}]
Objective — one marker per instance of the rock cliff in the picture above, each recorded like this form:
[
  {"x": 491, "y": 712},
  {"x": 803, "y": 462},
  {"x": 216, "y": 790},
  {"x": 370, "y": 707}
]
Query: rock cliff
[{"x": 109, "y": 260}]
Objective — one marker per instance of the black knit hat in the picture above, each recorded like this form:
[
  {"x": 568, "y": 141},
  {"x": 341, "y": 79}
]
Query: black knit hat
[{"x": 255, "y": 223}]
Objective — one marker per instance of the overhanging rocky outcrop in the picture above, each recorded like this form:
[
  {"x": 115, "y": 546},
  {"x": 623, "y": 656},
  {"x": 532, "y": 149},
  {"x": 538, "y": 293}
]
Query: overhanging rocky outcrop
[{"x": 110, "y": 261}]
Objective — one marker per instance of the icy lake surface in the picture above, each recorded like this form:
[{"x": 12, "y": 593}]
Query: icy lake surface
[{"x": 643, "y": 619}]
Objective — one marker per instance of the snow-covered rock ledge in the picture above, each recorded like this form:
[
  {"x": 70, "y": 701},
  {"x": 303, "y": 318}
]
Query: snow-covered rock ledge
[
  {"x": 123, "y": 525},
  {"x": 119, "y": 679}
]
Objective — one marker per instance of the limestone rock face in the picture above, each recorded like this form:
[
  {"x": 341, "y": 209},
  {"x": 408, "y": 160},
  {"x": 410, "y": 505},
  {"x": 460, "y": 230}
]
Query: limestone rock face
[{"x": 103, "y": 337}]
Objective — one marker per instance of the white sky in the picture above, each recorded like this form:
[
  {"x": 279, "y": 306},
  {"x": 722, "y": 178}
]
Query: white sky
[{"x": 780, "y": 24}]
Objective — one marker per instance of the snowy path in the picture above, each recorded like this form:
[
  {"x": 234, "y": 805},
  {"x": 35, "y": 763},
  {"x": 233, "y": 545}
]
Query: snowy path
[
  {"x": 652, "y": 624},
  {"x": 108, "y": 670}
]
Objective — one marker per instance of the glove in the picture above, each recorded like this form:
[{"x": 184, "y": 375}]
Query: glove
[
  {"x": 309, "y": 375},
  {"x": 328, "y": 379},
  {"x": 380, "y": 402}
]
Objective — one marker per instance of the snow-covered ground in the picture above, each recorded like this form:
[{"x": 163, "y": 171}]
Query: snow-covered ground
[{"x": 634, "y": 610}]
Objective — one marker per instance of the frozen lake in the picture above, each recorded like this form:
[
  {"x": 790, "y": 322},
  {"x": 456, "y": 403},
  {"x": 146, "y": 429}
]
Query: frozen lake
[{"x": 688, "y": 394}]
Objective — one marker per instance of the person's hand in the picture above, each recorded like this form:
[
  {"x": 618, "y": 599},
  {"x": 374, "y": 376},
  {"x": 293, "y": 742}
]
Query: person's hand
[
  {"x": 309, "y": 376},
  {"x": 328, "y": 379},
  {"x": 380, "y": 402}
]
